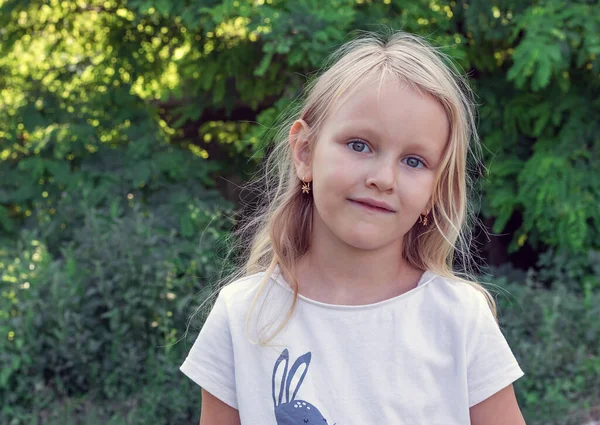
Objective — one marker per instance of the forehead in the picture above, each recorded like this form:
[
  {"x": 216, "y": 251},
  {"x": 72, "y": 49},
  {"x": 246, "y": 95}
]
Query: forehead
[{"x": 391, "y": 110}]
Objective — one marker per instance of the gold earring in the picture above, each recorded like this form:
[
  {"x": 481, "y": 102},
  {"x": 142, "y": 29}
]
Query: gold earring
[
  {"x": 305, "y": 186},
  {"x": 423, "y": 219}
]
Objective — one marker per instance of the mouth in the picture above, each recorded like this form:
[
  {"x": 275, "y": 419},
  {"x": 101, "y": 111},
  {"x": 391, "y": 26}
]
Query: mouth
[{"x": 370, "y": 207}]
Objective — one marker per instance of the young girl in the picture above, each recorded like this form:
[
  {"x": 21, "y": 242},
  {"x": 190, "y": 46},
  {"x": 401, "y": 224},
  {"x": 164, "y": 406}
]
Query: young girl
[{"x": 348, "y": 311}]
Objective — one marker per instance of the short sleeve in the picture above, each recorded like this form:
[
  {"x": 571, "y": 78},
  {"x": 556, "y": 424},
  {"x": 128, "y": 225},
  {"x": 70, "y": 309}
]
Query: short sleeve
[
  {"x": 491, "y": 365},
  {"x": 210, "y": 362}
]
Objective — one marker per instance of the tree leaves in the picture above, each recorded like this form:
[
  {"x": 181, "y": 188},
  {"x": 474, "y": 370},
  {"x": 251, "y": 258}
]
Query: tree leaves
[
  {"x": 552, "y": 41},
  {"x": 121, "y": 73},
  {"x": 536, "y": 61}
]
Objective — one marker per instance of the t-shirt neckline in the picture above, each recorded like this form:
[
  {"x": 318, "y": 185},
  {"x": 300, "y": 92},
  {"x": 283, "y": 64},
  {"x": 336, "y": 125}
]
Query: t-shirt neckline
[{"x": 425, "y": 278}]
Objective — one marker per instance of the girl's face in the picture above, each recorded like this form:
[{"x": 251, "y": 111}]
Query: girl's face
[{"x": 372, "y": 150}]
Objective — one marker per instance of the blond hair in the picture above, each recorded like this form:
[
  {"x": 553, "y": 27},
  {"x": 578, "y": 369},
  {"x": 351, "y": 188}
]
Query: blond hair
[{"x": 280, "y": 229}]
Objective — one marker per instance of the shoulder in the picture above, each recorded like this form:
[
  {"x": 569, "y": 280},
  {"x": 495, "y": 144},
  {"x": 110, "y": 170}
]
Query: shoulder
[
  {"x": 457, "y": 297},
  {"x": 229, "y": 300},
  {"x": 244, "y": 291},
  {"x": 455, "y": 289},
  {"x": 241, "y": 288},
  {"x": 252, "y": 302}
]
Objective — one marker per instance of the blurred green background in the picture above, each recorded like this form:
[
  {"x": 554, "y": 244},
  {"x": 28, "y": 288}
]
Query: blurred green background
[{"x": 126, "y": 128}]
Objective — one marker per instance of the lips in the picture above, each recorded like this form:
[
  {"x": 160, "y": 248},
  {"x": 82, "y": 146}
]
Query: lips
[{"x": 373, "y": 204}]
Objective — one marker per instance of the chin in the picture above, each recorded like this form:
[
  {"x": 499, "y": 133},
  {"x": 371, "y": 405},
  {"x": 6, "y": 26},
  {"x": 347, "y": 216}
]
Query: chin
[{"x": 366, "y": 240}]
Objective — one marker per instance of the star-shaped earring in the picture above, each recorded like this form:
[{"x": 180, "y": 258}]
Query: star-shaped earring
[
  {"x": 423, "y": 219},
  {"x": 305, "y": 187}
]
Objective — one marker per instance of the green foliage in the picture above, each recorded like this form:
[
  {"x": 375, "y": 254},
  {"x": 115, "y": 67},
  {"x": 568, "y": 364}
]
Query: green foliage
[
  {"x": 573, "y": 270},
  {"x": 541, "y": 131},
  {"x": 105, "y": 317},
  {"x": 83, "y": 75},
  {"x": 554, "y": 335}
]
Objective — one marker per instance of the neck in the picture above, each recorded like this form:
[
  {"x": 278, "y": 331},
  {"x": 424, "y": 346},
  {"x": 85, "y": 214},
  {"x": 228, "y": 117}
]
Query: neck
[{"x": 333, "y": 270}]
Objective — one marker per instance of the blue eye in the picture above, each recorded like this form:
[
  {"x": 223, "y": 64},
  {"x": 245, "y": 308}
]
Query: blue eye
[
  {"x": 413, "y": 162},
  {"x": 358, "y": 146}
]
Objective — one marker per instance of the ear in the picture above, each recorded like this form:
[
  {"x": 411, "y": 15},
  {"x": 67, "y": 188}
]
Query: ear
[
  {"x": 282, "y": 358},
  {"x": 301, "y": 153},
  {"x": 302, "y": 360}
]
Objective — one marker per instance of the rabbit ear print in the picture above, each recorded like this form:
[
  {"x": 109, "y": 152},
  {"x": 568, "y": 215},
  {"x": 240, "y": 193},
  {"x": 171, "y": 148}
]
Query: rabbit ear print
[
  {"x": 302, "y": 360},
  {"x": 292, "y": 411},
  {"x": 283, "y": 357}
]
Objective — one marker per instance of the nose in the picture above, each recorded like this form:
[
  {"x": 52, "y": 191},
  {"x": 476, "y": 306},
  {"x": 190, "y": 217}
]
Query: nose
[{"x": 382, "y": 176}]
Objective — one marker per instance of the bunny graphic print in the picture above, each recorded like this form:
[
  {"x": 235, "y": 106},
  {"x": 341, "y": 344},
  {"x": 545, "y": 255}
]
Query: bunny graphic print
[{"x": 292, "y": 411}]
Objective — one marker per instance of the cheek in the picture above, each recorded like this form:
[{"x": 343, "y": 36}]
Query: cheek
[
  {"x": 332, "y": 169},
  {"x": 417, "y": 189},
  {"x": 334, "y": 180}
]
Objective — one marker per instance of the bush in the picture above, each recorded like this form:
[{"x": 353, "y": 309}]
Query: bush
[
  {"x": 555, "y": 335},
  {"x": 102, "y": 318},
  {"x": 579, "y": 272}
]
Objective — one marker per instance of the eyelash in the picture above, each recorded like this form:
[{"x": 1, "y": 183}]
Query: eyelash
[{"x": 364, "y": 143}]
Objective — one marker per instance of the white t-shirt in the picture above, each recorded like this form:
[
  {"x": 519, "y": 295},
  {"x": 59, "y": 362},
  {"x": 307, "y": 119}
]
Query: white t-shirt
[{"x": 423, "y": 357}]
